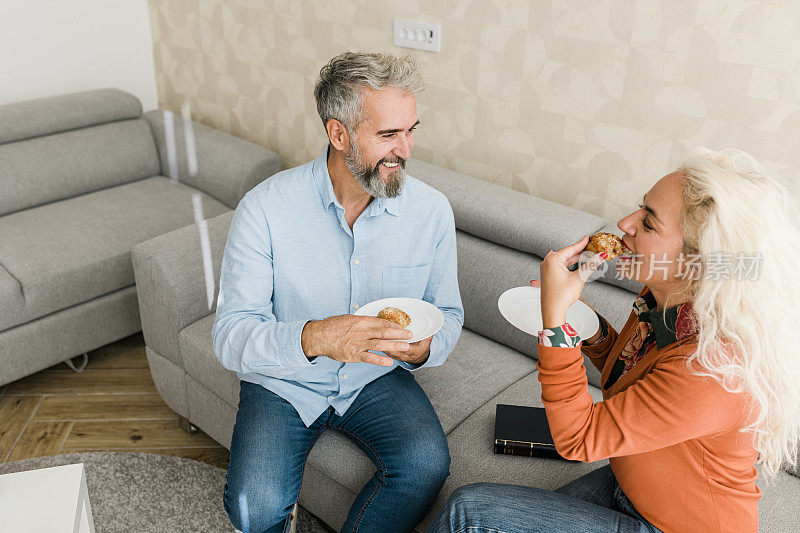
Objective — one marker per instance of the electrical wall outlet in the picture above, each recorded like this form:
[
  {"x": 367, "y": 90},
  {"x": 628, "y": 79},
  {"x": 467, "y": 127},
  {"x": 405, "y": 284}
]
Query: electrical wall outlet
[{"x": 419, "y": 35}]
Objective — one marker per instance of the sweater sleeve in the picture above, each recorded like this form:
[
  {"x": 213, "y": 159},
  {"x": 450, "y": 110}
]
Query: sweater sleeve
[
  {"x": 668, "y": 405},
  {"x": 598, "y": 352}
]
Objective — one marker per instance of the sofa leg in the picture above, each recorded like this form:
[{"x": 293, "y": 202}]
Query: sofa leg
[
  {"x": 293, "y": 519},
  {"x": 79, "y": 362},
  {"x": 187, "y": 426}
]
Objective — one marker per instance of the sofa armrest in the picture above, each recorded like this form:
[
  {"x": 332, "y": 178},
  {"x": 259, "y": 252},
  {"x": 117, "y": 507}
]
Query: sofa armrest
[
  {"x": 170, "y": 273},
  {"x": 227, "y": 166}
]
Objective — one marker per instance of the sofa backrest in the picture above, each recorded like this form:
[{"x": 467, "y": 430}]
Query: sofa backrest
[
  {"x": 502, "y": 236},
  {"x": 55, "y": 148}
]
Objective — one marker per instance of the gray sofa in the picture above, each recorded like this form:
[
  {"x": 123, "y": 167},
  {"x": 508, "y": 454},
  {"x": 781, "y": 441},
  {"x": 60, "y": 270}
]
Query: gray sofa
[
  {"x": 81, "y": 182},
  {"x": 502, "y": 235}
]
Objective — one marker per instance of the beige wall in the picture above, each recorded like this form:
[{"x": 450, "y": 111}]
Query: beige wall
[
  {"x": 50, "y": 48},
  {"x": 584, "y": 102}
]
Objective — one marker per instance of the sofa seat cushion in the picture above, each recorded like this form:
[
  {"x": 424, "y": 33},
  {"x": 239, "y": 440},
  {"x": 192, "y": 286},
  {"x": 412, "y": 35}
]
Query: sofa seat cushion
[
  {"x": 68, "y": 252},
  {"x": 477, "y": 370},
  {"x": 12, "y": 301},
  {"x": 473, "y": 459},
  {"x": 471, "y": 446}
]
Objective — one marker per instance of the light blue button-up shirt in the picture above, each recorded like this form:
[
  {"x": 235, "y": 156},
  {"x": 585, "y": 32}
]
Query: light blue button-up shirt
[{"x": 291, "y": 258}]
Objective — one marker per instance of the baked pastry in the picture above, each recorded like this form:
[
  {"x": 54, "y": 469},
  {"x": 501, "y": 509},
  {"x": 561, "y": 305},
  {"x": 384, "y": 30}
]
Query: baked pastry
[
  {"x": 393, "y": 314},
  {"x": 606, "y": 242}
]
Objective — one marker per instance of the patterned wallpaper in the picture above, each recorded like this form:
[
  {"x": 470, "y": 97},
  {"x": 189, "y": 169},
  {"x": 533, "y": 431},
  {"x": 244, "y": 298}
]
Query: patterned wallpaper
[{"x": 583, "y": 102}]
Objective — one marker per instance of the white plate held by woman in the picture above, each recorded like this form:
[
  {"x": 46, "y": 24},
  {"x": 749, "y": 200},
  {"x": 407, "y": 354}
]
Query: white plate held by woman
[
  {"x": 522, "y": 306},
  {"x": 426, "y": 318}
]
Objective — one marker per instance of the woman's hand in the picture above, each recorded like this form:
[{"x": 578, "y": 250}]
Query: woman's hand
[{"x": 560, "y": 287}]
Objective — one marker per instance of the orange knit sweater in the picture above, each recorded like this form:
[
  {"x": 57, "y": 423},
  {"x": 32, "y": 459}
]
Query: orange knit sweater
[{"x": 672, "y": 437}]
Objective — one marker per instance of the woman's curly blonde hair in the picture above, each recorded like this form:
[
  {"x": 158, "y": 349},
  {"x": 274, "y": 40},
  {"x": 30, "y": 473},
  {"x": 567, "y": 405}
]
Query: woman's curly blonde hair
[{"x": 748, "y": 324}]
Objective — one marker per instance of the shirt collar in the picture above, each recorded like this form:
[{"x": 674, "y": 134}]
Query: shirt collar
[
  {"x": 676, "y": 324},
  {"x": 390, "y": 205},
  {"x": 322, "y": 180}
]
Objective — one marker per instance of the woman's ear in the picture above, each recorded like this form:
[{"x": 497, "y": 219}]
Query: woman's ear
[{"x": 338, "y": 135}]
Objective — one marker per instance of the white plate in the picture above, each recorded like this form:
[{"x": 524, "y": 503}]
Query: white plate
[
  {"x": 426, "y": 318},
  {"x": 522, "y": 307}
]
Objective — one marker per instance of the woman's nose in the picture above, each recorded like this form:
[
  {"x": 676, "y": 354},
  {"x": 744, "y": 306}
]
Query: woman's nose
[{"x": 626, "y": 225}]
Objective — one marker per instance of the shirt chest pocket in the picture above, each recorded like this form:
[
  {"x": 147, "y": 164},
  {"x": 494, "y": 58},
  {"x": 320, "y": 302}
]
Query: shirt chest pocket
[{"x": 405, "y": 282}]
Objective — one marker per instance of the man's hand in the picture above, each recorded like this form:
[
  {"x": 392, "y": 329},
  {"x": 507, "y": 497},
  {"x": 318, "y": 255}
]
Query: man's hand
[
  {"x": 417, "y": 353},
  {"x": 347, "y": 338}
]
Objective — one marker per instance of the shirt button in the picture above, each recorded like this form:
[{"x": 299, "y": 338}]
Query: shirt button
[
  {"x": 356, "y": 261},
  {"x": 344, "y": 376},
  {"x": 355, "y": 306}
]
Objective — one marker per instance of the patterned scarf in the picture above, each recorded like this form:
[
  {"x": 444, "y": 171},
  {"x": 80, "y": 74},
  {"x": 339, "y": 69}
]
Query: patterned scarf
[{"x": 655, "y": 329}]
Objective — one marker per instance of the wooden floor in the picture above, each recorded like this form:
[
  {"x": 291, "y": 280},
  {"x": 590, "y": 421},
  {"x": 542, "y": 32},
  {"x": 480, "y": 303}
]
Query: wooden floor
[{"x": 112, "y": 405}]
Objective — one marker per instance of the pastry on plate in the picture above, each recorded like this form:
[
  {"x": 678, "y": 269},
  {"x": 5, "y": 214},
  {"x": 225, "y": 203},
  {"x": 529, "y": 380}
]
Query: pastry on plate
[
  {"x": 393, "y": 314},
  {"x": 606, "y": 242}
]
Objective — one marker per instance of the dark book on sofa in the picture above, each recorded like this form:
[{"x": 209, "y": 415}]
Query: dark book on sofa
[{"x": 520, "y": 430}]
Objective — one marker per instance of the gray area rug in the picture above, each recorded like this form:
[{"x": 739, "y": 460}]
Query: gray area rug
[{"x": 142, "y": 492}]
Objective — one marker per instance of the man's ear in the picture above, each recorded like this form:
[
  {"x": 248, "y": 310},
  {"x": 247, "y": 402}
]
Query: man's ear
[{"x": 338, "y": 135}]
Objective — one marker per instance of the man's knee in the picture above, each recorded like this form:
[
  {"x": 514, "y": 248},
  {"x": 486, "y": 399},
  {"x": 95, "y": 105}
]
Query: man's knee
[
  {"x": 257, "y": 506},
  {"x": 439, "y": 463},
  {"x": 428, "y": 465}
]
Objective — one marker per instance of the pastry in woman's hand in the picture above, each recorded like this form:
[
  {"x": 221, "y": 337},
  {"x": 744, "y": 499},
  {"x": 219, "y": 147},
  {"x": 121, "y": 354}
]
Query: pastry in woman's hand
[
  {"x": 606, "y": 242},
  {"x": 393, "y": 314}
]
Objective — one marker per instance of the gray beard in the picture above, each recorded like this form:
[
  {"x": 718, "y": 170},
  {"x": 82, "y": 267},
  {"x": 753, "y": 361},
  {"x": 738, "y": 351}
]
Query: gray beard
[{"x": 370, "y": 179}]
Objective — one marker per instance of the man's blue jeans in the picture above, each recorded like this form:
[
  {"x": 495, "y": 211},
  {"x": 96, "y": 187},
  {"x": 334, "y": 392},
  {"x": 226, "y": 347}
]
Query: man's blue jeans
[
  {"x": 391, "y": 420},
  {"x": 592, "y": 503}
]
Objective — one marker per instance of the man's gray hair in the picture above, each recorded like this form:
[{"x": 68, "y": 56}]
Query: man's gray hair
[{"x": 342, "y": 81}]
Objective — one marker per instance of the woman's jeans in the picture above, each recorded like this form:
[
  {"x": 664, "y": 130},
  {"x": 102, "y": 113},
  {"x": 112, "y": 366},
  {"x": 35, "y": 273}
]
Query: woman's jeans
[
  {"x": 592, "y": 503},
  {"x": 391, "y": 420}
]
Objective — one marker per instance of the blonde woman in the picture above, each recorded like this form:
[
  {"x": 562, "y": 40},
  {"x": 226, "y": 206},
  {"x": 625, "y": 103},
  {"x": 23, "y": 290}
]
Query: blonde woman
[{"x": 702, "y": 382}]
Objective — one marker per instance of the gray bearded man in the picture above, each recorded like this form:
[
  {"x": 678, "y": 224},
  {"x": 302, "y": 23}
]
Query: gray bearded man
[{"x": 306, "y": 249}]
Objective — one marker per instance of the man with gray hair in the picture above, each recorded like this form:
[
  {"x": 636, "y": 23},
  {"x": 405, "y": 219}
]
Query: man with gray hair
[{"x": 305, "y": 250}]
